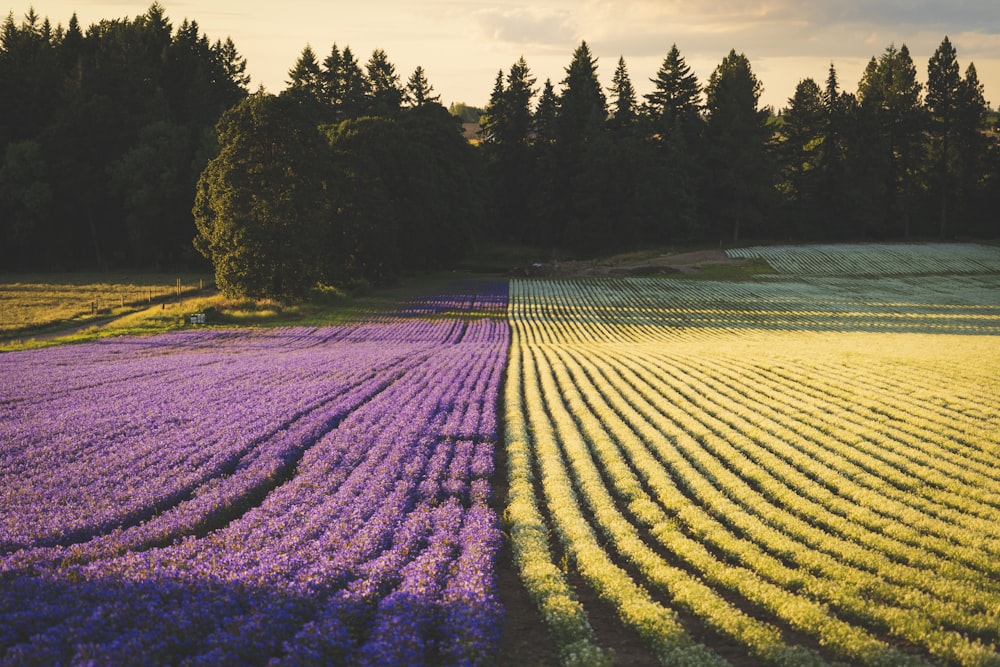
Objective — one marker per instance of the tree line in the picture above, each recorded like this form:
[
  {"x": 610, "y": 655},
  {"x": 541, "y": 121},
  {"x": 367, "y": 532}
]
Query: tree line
[
  {"x": 123, "y": 143},
  {"x": 593, "y": 168},
  {"x": 103, "y": 134}
]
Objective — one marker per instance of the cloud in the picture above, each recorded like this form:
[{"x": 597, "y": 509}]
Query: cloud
[{"x": 528, "y": 26}]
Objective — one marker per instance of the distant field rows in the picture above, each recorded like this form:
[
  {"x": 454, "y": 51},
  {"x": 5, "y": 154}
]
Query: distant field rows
[
  {"x": 876, "y": 259},
  {"x": 809, "y": 490},
  {"x": 797, "y": 469}
]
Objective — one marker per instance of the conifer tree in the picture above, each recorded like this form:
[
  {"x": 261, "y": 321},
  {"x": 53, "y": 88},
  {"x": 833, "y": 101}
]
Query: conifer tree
[
  {"x": 582, "y": 104},
  {"x": 889, "y": 98},
  {"x": 948, "y": 104},
  {"x": 677, "y": 93},
  {"x": 800, "y": 148},
  {"x": 737, "y": 134},
  {"x": 418, "y": 90},
  {"x": 305, "y": 77},
  {"x": 544, "y": 120},
  {"x": 623, "y": 99},
  {"x": 385, "y": 92},
  {"x": 355, "y": 86}
]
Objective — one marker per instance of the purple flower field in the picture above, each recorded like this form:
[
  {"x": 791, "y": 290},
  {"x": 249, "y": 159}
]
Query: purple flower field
[{"x": 267, "y": 496}]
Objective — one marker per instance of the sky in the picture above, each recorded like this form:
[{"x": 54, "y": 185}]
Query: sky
[{"x": 462, "y": 45}]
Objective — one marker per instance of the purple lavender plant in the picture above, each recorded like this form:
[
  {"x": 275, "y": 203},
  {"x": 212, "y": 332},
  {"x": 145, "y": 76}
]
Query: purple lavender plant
[{"x": 289, "y": 496}]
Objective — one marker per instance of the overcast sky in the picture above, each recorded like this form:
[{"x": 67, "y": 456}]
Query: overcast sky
[{"x": 462, "y": 45}]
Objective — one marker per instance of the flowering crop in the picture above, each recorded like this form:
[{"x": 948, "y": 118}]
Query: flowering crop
[
  {"x": 292, "y": 496},
  {"x": 804, "y": 466},
  {"x": 876, "y": 259}
]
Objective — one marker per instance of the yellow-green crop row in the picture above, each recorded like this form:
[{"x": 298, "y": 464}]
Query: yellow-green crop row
[{"x": 806, "y": 482}]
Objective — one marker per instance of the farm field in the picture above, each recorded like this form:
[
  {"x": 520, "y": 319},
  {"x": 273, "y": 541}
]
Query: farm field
[
  {"x": 289, "y": 495},
  {"x": 32, "y": 302},
  {"x": 796, "y": 469}
]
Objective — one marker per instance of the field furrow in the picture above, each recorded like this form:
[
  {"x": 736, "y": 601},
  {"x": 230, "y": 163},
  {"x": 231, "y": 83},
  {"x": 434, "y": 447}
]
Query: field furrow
[{"x": 772, "y": 464}]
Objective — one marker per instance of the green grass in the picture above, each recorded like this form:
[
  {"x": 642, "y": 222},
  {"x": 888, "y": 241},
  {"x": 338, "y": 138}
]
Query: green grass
[
  {"x": 54, "y": 310},
  {"x": 32, "y": 304}
]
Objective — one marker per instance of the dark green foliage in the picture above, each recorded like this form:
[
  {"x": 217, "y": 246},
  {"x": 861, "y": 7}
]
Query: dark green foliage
[
  {"x": 286, "y": 206},
  {"x": 344, "y": 85},
  {"x": 385, "y": 93},
  {"x": 103, "y": 135},
  {"x": 507, "y": 132},
  {"x": 624, "y": 109},
  {"x": 676, "y": 98},
  {"x": 891, "y": 128},
  {"x": 418, "y": 90},
  {"x": 105, "y": 131},
  {"x": 957, "y": 111},
  {"x": 799, "y": 147},
  {"x": 261, "y": 205},
  {"x": 305, "y": 78},
  {"x": 407, "y": 191},
  {"x": 677, "y": 134},
  {"x": 737, "y": 133}
]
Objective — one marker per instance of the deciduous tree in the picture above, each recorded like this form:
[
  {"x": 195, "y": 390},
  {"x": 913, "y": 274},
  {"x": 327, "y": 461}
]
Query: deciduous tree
[{"x": 260, "y": 206}]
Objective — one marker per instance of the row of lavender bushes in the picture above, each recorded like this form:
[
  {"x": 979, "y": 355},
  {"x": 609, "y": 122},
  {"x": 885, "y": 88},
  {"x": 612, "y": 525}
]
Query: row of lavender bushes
[{"x": 287, "y": 496}]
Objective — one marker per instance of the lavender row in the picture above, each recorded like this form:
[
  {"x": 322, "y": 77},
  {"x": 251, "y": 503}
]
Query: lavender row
[
  {"x": 379, "y": 547},
  {"x": 116, "y": 453}
]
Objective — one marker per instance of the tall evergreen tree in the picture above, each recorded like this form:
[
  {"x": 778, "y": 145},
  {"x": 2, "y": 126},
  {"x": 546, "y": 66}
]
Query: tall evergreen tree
[
  {"x": 801, "y": 137},
  {"x": 624, "y": 110},
  {"x": 673, "y": 110},
  {"x": 418, "y": 89},
  {"x": 385, "y": 92},
  {"x": 582, "y": 104},
  {"x": 305, "y": 77},
  {"x": 507, "y": 127},
  {"x": 944, "y": 95},
  {"x": 544, "y": 119},
  {"x": 355, "y": 86},
  {"x": 676, "y": 96},
  {"x": 519, "y": 92},
  {"x": 581, "y": 150},
  {"x": 973, "y": 178},
  {"x": 737, "y": 135},
  {"x": 835, "y": 196},
  {"x": 889, "y": 97},
  {"x": 332, "y": 81},
  {"x": 494, "y": 114}
]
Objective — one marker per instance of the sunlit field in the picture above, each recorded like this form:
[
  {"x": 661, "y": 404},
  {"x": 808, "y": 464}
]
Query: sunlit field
[
  {"x": 31, "y": 302},
  {"x": 796, "y": 468},
  {"x": 789, "y": 471}
]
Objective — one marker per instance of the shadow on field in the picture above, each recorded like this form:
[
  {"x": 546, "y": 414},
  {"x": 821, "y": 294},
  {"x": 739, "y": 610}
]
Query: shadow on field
[{"x": 69, "y": 617}]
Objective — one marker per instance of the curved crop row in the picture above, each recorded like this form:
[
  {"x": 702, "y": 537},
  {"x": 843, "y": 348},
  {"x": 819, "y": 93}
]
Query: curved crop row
[
  {"x": 349, "y": 520},
  {"x": 795, "y": 492}
]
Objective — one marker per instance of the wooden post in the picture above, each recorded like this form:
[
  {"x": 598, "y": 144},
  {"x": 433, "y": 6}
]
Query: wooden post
[{"x": 178, "y": 287}]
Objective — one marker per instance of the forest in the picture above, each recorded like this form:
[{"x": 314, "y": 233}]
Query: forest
[{"x": 134, "y": 144}]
